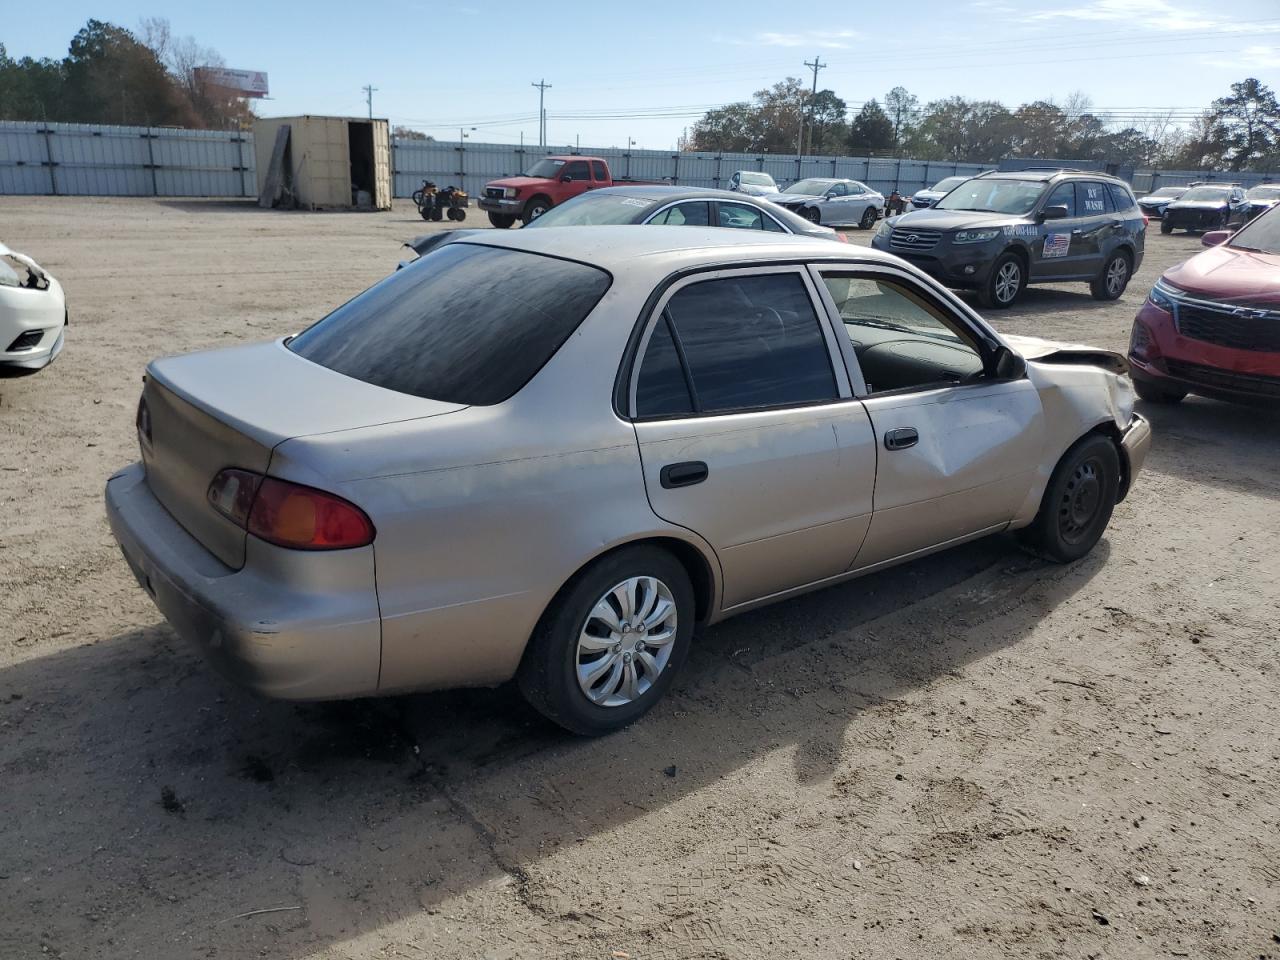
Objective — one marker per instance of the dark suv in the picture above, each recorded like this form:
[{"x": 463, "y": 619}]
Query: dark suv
[{"x": 998, "y": 232}]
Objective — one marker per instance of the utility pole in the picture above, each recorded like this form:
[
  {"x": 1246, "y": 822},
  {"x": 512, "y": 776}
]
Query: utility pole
[
  {"x": 543, "y": 87},
  {"x": 815, "y": 67},
  {"x": 369, "y": 90}
]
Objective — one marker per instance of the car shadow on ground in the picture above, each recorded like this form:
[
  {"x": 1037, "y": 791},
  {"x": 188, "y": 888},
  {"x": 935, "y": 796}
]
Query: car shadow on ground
[
  {"x": 159, "y": 783},
  {"x": 1216, "y": 443}
]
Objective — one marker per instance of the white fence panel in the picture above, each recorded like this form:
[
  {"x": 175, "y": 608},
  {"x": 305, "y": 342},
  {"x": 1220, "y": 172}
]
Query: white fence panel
[{"x": 81, "y": 159}]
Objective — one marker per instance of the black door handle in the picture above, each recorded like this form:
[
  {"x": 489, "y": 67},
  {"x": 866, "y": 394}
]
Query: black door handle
[
  {"x": 683, "y": 474},
  {"x": 901, "y": 438}
]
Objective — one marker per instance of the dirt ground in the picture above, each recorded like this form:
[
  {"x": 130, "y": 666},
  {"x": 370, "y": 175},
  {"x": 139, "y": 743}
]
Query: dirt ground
[{"x": 976, "y": 755}]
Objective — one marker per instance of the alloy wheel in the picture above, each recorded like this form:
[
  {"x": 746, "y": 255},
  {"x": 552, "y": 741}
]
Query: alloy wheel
[
  {"x": 626, "y": 641},
  {"x": 1117, "y": 275},
  {"x": 1008, "y": 279}
]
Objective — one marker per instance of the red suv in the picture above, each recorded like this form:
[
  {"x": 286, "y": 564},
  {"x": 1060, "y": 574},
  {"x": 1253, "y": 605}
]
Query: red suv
[{"x": 1211, "y": 326}]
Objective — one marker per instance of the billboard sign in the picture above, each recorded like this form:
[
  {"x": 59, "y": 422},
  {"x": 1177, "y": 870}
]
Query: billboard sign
[{"x": 239, "y": 83}]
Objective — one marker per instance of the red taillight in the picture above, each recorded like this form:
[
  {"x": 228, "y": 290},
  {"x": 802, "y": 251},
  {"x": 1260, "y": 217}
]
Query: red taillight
[
  {"x": 841, "y": 237},
  {"x": 1146, "y": 221},
  {"x": 289, "y": 514}
]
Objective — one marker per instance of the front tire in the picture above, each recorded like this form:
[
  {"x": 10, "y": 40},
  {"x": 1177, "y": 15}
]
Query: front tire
[
  {"x": 812, "y": 214},
  {"x": 868, "y": 219},
  {"x": 1004, "y": 284},
  {"x": 1112, "y": 280},
  {"x": 534, "y": 209},
  {"x": 608, "y": 647},
  {"x": 1078, "y": 502},
  {"x": 503, "y": 221},
  {"x": 1165, "y": 225}
]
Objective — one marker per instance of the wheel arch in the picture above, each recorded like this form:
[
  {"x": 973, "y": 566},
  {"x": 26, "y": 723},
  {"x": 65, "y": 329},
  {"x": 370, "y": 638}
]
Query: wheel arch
[{"x": 697, "y": 560}]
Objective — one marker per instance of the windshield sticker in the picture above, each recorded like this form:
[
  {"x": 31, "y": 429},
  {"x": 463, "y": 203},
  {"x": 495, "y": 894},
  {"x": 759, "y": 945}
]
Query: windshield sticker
[
  {"x": 636, "y": 202},
  {"x": 1093, "y": 200},
  {"x": 1021, "y": 230},
  {"x": 1056, "y": 245}
]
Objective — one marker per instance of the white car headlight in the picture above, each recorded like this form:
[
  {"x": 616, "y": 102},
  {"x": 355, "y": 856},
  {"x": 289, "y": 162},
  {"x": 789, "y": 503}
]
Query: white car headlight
[
  {"x": 977, "y": 236},
  {"x": 510, "y": 192},
  {"x": 884, "y": 229}
]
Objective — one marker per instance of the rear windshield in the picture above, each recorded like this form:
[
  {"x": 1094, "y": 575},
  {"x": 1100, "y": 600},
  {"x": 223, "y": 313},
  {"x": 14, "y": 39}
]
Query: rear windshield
[
  {"x": 943, "y": 186},
  {"x": 594, "y": 209},
  {"x": 756, "y": 179},
  {"x": 464, "y": 324}
]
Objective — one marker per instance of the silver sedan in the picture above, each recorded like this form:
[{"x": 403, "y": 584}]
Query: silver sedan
[
  {"x": 835, "y": 203},
  {"x": 555, "y": 455}
]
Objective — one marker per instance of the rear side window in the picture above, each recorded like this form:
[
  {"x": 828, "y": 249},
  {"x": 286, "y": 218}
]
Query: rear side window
[
  {"x": 577, "y": 170},
  {"x": 464, "y": 324},
  {"x": 685, "y": 215},
  {"x": 740, "y": 216},
  {"x": 1121, "y": 197},
  {"x": 748, "y": 342},
  {"x": 598, "y": 170},
  {"x": 662, "y": 390},
  {"x": 1094, "y": 199}
]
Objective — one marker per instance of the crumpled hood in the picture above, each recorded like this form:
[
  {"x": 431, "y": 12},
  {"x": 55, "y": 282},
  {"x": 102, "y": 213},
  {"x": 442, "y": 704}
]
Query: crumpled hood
[
  {"x": 935, "y": 219},
  {"x": 1197, "y": 204},
  {"x": 1053, "y": 351},
  {"x": 786, "y": 199}
]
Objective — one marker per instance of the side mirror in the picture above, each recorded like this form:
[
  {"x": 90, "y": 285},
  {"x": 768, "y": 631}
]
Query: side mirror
[
  {"x": 829, "y": 195},
  {"x": 1215, "y": 238},
  {"x": 1008, "y": 365},
  {"x": 1056, "y": 212},
  {"x": 566, "y": 179}
]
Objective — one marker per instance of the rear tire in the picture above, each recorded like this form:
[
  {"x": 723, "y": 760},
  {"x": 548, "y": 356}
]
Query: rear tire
[
  {"x": 1153, "y": 392},
  {"x": 534, "y": 209},
  {"x": 869, "y": 218},
  {"x": 582, "y": 672},
  {"x": 1078, "y": 502},
  {"x": 456, "y": 213},
  {"x": 1112, "y": 280},
  {"x": 503, "y": 221},
  {"x": 1005, "y": 283}
]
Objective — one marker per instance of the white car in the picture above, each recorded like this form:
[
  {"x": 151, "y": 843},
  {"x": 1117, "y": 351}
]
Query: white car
[
  {"x": 832, "y": 203},
  {"x": 33, "y": 313},
  {"x": 753, "y": 183}
]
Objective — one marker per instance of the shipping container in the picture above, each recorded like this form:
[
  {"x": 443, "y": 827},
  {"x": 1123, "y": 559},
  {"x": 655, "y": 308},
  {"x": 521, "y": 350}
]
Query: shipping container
[{"x": 331, "y": 162}]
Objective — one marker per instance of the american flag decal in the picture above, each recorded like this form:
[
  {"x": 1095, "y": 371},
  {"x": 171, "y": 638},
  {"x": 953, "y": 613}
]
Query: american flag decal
[{"x": 1056, "y": 245}]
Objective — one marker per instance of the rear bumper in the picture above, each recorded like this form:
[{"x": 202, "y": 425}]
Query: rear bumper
[
  {"x": 1158, "y": 352},
  {"x": 289, "y": 624}
]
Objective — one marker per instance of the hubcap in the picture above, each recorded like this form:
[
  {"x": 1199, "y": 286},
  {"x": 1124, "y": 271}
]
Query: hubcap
[
  {"x": 1007, "y": 280},
  {"x": 626, "y": 642},
  {"x": 1116, "y": 275},
  {"x": 1081, "y": 501}
]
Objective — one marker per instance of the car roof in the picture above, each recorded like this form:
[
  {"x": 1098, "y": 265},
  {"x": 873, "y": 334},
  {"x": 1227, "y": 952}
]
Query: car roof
[
  {"x": 617, "y": 247},
  {"x": 1044, "y": 176},
  {"x": 667, "y": 191}
]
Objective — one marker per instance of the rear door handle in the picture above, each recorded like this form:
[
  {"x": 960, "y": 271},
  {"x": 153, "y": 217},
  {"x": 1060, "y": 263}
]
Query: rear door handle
[
  {"x": 901, "y": 438},
  {"x": 683, "y": 474}
]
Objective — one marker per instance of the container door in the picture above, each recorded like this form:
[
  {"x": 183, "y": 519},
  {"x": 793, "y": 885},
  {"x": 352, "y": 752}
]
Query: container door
[{"x": 381, "y": 166}]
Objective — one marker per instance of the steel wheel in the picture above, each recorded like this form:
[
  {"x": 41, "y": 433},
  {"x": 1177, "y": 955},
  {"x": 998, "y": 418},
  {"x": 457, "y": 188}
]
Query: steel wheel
[
  {"x": 1008, "y": 281},
  {"x": 626, "y": 641},
  {"x": 1081, "y": 500}
]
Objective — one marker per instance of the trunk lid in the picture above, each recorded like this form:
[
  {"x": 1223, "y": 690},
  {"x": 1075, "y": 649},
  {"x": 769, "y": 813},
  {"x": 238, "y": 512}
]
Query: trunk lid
[{"x": 230, "y": 408}]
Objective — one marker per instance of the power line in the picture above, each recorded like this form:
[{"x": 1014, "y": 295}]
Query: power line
[{"x": 369, "y": 91}]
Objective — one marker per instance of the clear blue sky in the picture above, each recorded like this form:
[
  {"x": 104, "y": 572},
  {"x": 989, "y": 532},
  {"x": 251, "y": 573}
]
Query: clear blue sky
[{"x": 439, "y": 66}]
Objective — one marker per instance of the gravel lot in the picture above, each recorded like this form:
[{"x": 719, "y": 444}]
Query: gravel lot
[{"x": 976, "y": 755}]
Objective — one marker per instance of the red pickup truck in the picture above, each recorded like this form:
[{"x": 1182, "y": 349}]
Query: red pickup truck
[{"x": 549, "y": 182}]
